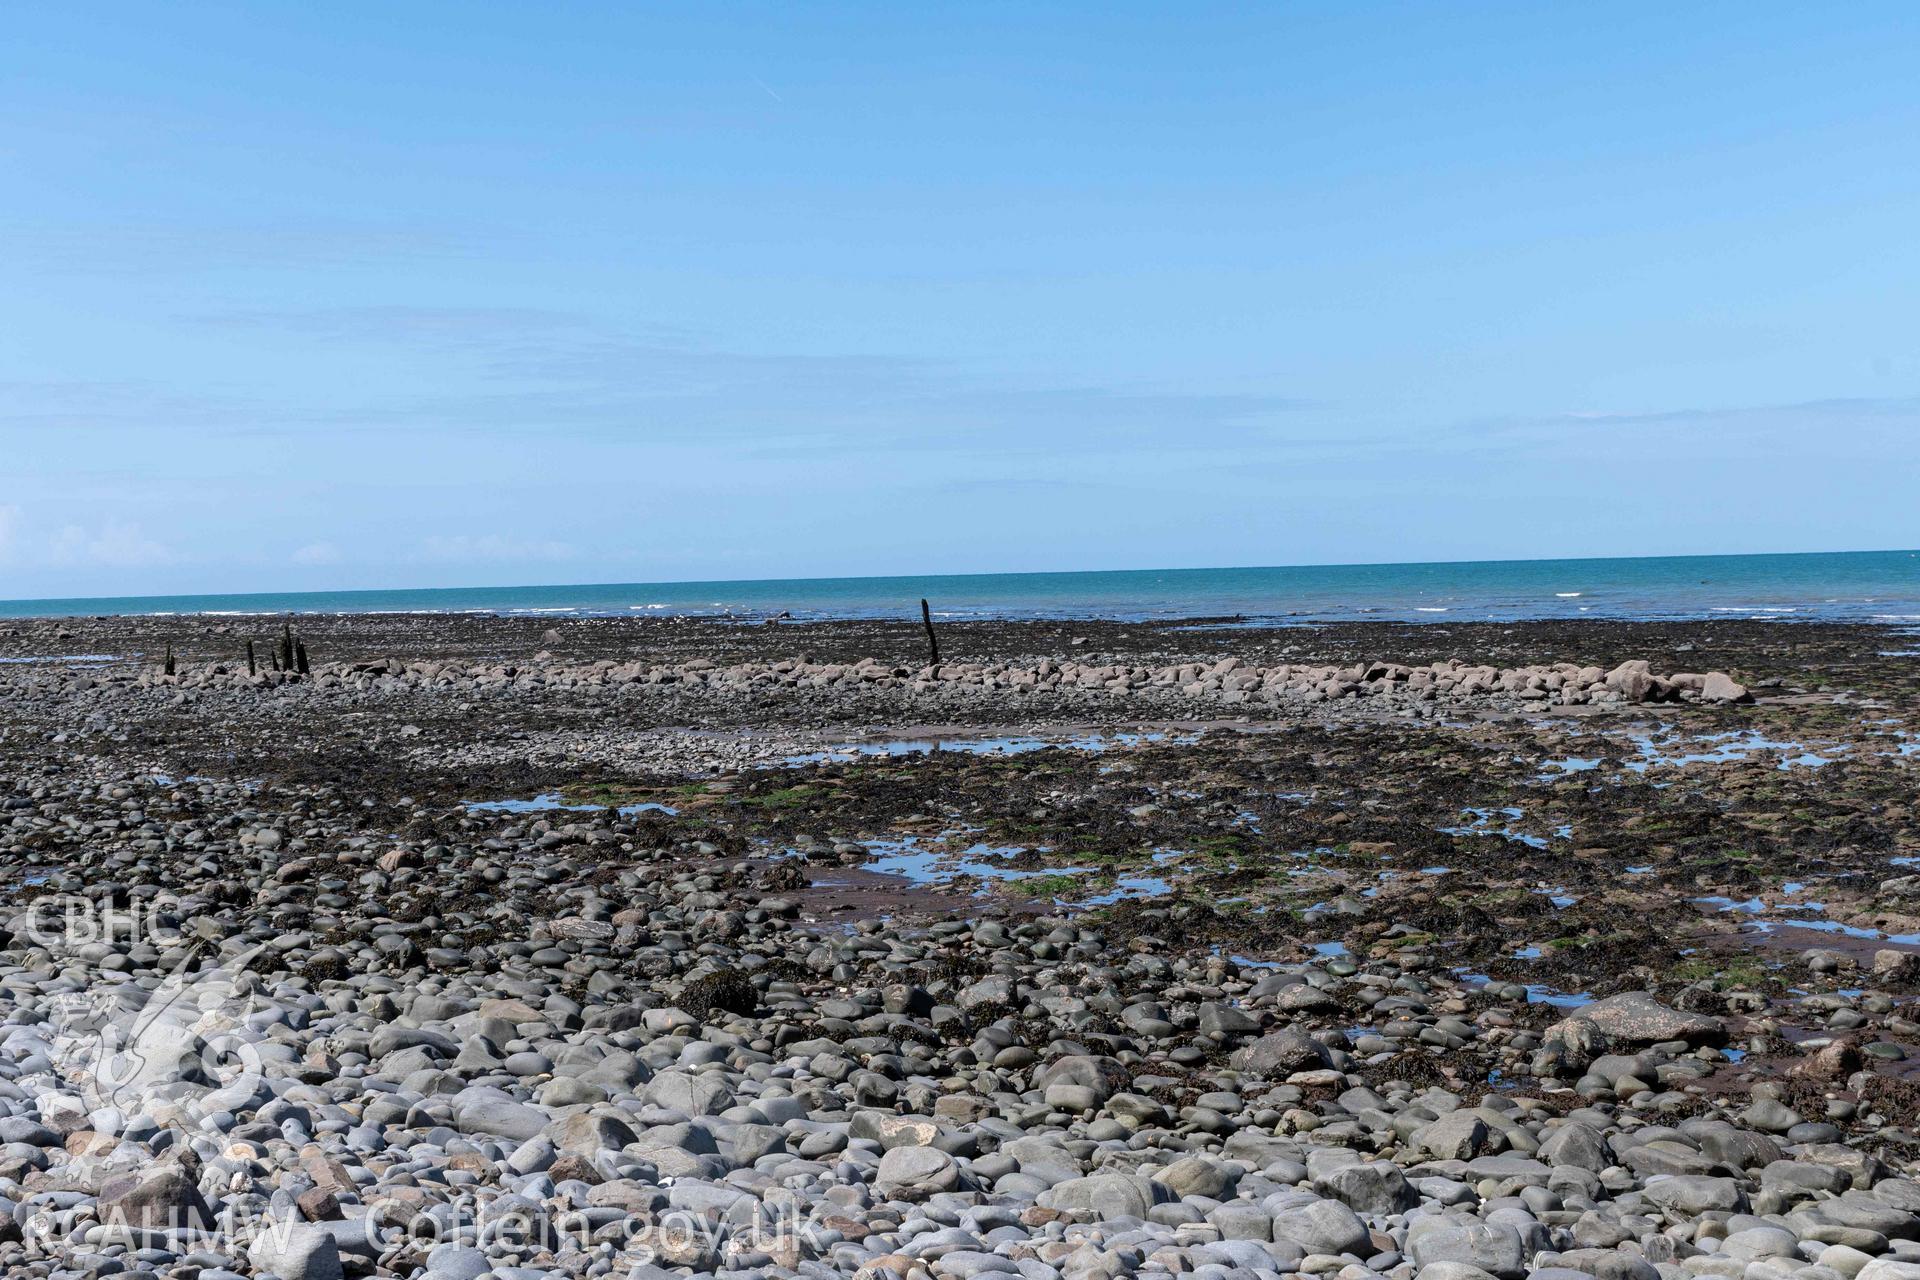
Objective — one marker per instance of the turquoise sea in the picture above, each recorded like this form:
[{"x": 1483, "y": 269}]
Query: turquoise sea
[{"x": 1867, "y": 586}]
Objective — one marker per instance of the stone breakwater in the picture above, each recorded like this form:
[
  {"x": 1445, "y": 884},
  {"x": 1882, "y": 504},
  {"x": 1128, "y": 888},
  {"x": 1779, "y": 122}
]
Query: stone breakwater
[{"x": 1227, "y": 681}]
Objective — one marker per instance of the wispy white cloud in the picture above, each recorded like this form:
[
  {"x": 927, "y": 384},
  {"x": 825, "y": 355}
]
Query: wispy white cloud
[
  {"x": 130, "y": 248},
  {"x": 511, "y": 369},
  {"x": 112, "y": 544},
  {"x": 490, "y": 548},
  {"x": 61, "y": 405},
  {"x": 1796, "y": 412},
  {"x": 402, "y": 323},
  {"x": 317, "y": 553}
]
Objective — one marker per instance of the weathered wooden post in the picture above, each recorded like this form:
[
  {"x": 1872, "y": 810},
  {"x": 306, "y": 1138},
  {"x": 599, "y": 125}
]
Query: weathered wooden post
[
  {"x": 300, "y": 658},
  {"x": 253, "y": 665},
  {"x": 926, "y": 620}
]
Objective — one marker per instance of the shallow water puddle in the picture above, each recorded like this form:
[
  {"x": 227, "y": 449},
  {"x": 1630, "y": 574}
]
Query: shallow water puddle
[
  {"x": 1127, "y": 887},
  {"x": 88, "y": 659},
  {"x": 908, "y": 858},
  {"x": 1008, "y": 745},
  {"x": 1559, "y": 768},
  {"x": 201, "y": 780},
  {"x": 1666, "y": 748},
  {"x": 1537, "y": 992},
  {"x": 1720, "y": 902},
  {"x": 551, "y": 801},
  {"x": 1756, "y": 906},
  {"x": 1482, "y": 825},
  {"x": 1721, "y": 748}
]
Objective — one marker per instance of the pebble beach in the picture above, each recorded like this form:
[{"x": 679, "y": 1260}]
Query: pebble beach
[{"x": 637, "y": 947}]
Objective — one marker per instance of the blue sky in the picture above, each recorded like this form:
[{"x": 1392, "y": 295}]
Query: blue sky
[{"x": 360, "y": 295}]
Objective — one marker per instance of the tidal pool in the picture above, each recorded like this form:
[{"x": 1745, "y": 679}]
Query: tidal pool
[{"x": 551, "y": 801}]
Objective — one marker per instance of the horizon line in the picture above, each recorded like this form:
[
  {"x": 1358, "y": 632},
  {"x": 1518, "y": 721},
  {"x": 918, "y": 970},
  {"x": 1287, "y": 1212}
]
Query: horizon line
[{"x": 971, "y": 575}]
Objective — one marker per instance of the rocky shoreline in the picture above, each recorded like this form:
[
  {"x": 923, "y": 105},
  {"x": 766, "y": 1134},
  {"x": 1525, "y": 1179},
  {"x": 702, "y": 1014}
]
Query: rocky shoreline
[
  {"x": 1228, "y": 681},
  {"x": 634, "y": 949}
]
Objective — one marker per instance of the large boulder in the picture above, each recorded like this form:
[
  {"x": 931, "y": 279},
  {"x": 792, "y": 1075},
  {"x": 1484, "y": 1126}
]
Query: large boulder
[
  {"x": 1378, "y": 1187},
  {"x": 1457, "y": 1135},
  {"x": 161, "y": 1198},
  {"x": 1104, "y": 1195},
  {"x": 587, "y": 1134},
  {"x": 482, "y": 1109},
  {"x": 296, "y": 1251},
  {"x": 1575, "y": 1144},
  {"x": 890, "y": 1130},
  {"x": 1104, "y": 1076},
  {"x": 1690, "y": 1195},
  {"x": 691, "y": 1093},
  {"x": 1199, "y": 1176},
  {"x": 1282, "y": 1053},
  {"x": 1632, "y": 680},
  {"x": 914, "y": 1173},
  {"x": 1493, "y": 1247},
  {"x": 1889, "y": 1269},
  {"x": 1322, "y": 1226},
  {"x": 1635, "y": 1017},
  {"x": 1718, "y": 686}
]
